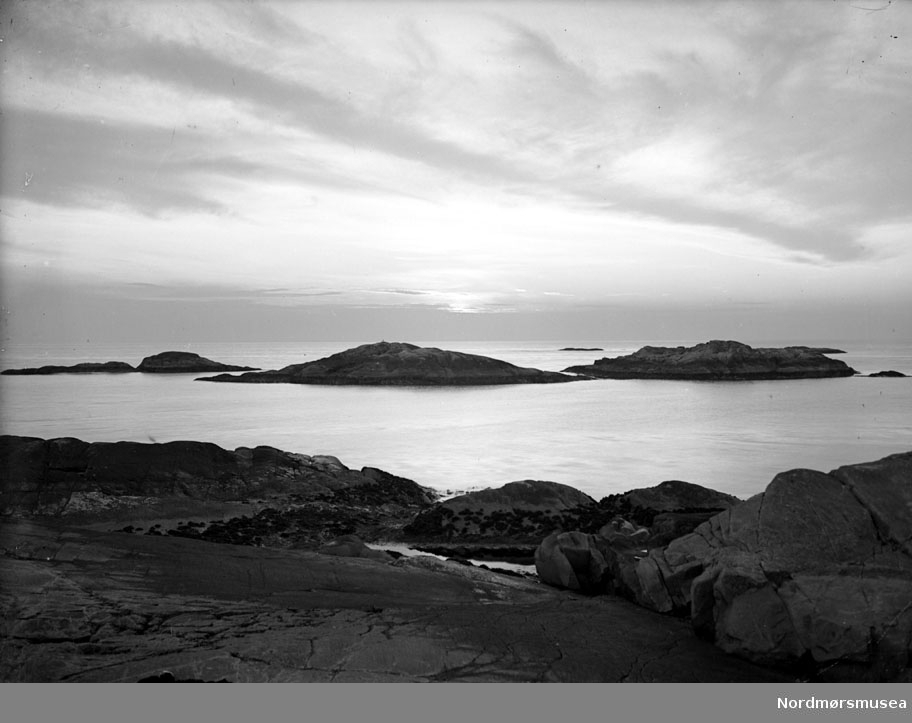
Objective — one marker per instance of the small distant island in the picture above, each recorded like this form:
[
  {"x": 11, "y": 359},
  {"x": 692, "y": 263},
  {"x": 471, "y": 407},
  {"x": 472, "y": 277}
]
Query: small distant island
[
  {"x": 582, "y": 348},
  {"x": 167, "y": 362},
  {"x": 717, "y": 361},
  {"x": 400, "y": 364},
  {"x": 111, "y": 367}
]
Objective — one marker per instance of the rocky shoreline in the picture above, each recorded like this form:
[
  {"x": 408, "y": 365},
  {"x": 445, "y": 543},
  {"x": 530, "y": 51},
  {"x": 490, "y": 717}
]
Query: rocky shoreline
[{"x": 257, "y": 550}]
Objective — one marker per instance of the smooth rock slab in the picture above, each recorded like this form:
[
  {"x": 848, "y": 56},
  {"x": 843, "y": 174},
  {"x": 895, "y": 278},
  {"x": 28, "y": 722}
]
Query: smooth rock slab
[{"x": 203, "y": 611}]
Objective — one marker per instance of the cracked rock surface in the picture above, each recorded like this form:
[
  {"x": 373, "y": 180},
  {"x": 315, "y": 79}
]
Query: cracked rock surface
[{"x": 82, "y": 605}]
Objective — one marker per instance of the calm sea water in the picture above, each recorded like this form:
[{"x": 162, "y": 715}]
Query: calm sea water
[{"x": 601, "y": 436}]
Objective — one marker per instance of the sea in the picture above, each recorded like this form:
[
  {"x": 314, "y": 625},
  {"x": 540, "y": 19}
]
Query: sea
[{"x": 602, "y": 437}]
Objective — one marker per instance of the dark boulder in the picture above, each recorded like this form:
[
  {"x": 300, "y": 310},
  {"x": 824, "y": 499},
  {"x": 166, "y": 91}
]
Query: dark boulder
[{"x": 573, "y": 561}]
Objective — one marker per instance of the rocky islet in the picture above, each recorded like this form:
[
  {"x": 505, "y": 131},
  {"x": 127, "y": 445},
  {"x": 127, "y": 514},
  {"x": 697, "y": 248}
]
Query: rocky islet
[
  {"x": 400, "y": 364},
  {"x": 184, "y": 362},
  {"x": 111, "y": 367},
  {"x": 718, "y": 361},
  {"x": 167, "y": 362}
]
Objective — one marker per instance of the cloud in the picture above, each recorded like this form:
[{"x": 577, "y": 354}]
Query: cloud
[
  {"x": 79, "y": 162},
  {"x": 403, "y": 292},
  {"x": 446, "y": 157},
  {"x": 130, "y": 56}
]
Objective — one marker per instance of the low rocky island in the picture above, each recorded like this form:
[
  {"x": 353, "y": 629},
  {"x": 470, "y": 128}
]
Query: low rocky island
[
  {"x": 111, "y": 367},
  {"x": 399, "y": 364},
  {"x": 889, "y": 373},
  {"x": 184, "y": 362},
  {"x": 167, "y": 362},
  {"x": 186, "y": 561},
  {"x": 717, "y": 361}
]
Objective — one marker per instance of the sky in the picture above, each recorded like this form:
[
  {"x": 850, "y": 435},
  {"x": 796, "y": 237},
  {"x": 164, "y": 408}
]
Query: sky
[{"x": 255, "y": 171}]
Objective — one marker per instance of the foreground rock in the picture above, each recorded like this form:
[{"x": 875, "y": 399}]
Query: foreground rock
[
  {"x": 604, "y": 560},
  {"x": 111, "y": 367},
  {"x": 260, "y": 496},
  {"x": 84, "y": 606},
  {"x": 717, "y": 361},
  {"x": 184, "y": 362},
  {"x": 573, "y": 561},
  {"x": 818, "y": 568},
  {"x": 387, "y": 363}
]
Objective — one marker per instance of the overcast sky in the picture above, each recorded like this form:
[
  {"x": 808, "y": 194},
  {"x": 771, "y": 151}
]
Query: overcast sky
[{"x": 438, "y": 170}]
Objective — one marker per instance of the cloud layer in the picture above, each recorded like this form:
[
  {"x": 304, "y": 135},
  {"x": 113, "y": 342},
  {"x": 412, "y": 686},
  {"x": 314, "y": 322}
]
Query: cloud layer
[{"x": 491, "y": 157}]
